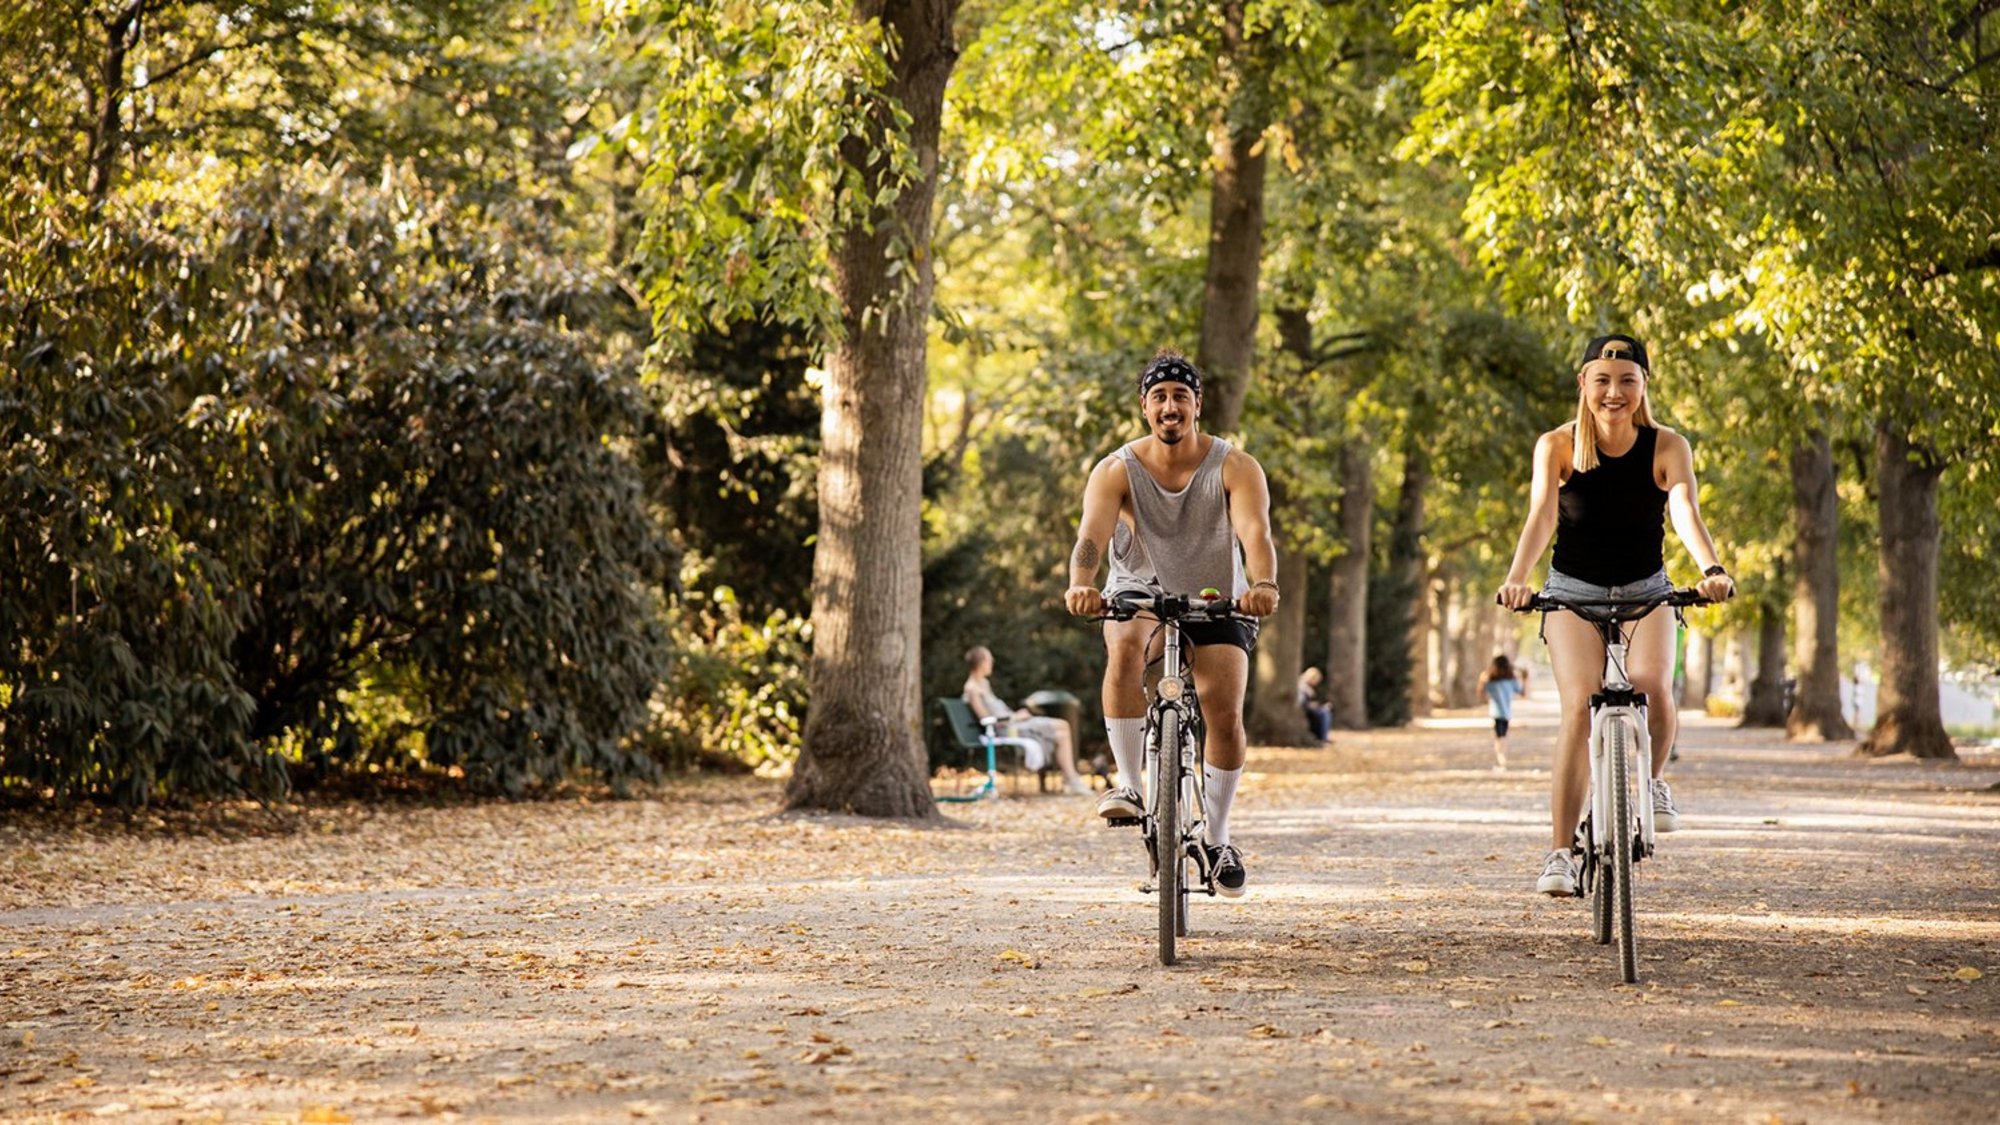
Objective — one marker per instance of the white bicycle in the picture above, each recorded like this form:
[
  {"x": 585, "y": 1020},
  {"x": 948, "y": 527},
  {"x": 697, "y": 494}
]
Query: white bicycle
[
  {"x": 1173, "y": 827},
  {"x": 1617, "y": 829}
]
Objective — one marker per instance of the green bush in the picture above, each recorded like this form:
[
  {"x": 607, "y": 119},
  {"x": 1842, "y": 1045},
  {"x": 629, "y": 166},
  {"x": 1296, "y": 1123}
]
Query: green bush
[
  {"x": 325, "y": 448},
  {"x": 737, "y": 695}
]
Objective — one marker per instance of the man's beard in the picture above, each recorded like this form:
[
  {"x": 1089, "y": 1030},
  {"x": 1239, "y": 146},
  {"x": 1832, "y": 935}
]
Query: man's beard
[{"x": 1169, "y": 437}]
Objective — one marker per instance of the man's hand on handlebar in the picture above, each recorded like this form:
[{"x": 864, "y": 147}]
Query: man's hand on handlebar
[
  {"x": 1084, "y": 601},
  {"x": 1258, "y": 601}
]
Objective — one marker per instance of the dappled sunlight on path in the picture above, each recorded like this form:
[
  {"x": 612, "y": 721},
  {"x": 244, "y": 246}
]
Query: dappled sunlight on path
[{"x": 1822, "y": 942}]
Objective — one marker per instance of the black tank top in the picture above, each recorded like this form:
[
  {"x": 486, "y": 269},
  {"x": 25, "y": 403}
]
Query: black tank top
[{"x": 1609, "y": 527}]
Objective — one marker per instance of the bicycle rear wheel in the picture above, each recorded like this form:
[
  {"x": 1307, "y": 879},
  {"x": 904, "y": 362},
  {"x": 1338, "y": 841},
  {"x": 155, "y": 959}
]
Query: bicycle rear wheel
[
  {"x": 1620, "y": 746},
  {"x": 1167, "y": 851}
]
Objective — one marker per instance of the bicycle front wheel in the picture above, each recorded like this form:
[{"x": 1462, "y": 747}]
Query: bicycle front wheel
[
  {"x": 1594, "y": 862},
  {"x": 1621, "y": 829},
  {"x": 1167, "y": 850}
]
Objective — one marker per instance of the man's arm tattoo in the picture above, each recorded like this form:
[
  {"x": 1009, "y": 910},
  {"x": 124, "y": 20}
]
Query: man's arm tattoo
[{"x": 1085, "y": 555}]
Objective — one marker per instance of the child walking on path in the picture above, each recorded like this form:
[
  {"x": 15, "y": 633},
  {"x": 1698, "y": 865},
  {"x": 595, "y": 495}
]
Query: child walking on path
[{"x": 1501, "y": 684}]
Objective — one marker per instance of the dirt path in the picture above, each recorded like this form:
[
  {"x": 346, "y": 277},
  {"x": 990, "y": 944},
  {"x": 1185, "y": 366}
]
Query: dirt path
[{"x": 1822, "y": 943}]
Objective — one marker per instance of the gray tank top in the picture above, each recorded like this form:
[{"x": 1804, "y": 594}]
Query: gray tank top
[{"x": 1183, "y": 543}]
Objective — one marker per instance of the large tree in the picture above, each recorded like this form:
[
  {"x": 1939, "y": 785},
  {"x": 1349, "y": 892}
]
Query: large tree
[
  {"x": 796, "y": 180},
  {"x": 1237, "y": 158},
  {"x": 1815, "y": 715},
  {"x": 864, "y": 749}
]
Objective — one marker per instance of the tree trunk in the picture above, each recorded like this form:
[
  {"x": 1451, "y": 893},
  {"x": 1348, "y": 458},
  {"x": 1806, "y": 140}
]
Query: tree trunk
[
  {"x": 1444, "y": 634},
  {"x": 107, "y": 132},
  {"x": 1408, "y": 569},
  {"x": 1908, "y": 714},
  {"x": 1765, "y": 705},
  {"x": 1427, "y": 692},
  {"x": 1700, "y": 661},
  {"x": 864, "y": 746},
  {"x": 1275, "y": 716},
  {"x": 1735, "y": 676},
  {"x": 1347, "y": 590},
  {"x": 1472, "y": 645},
  {"x": 1235, "y": 233},
  {"x": 1815, "y": 715}
]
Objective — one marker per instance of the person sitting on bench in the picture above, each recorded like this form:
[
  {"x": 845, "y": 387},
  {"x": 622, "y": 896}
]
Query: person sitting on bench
[{"x": 1051, "y": 732}]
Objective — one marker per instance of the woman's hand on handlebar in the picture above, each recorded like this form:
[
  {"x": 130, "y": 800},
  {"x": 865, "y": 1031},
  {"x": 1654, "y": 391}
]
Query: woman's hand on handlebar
[
  {"x": 1084, "y": 601},
  {"x": 1717, "y": 587},
  {"x": 1515, "y": 595}
]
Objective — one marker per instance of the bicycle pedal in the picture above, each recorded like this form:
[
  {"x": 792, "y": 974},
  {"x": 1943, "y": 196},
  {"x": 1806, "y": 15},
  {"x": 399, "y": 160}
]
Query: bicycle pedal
[{"x": 1122, "y": 821}]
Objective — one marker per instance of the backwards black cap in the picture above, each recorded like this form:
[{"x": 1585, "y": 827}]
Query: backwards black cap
[
  {"x": 1617, "y": 347},
  {"x": 1169, "y": 369}
]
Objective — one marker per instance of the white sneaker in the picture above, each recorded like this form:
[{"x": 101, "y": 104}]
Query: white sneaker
[
  {"x": 1666, "y": 818},
  {"x": 1077, "y": 787},
  {"x": 1558, "y": 874},
  {"x": 1120, "y": 803}
]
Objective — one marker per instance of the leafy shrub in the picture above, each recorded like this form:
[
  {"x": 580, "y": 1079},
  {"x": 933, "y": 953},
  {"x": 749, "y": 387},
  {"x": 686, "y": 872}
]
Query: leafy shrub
[
  {"x": 323, "y": 442},
  {"x": 738, "y": 689}
]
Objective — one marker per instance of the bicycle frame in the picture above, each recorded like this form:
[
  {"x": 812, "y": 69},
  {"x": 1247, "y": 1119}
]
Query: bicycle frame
[
  {"x": 1614, "y": 834},
  {"x": 1177, "y": 704},
  {"x": 1173, "y": 822},
  {"x": 1617, "y": 701}
]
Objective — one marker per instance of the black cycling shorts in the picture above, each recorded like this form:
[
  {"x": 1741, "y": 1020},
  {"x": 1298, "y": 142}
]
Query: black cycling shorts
[
  {"x": 1242, "y": 634},
  {"x": 1499, "y": 728}
]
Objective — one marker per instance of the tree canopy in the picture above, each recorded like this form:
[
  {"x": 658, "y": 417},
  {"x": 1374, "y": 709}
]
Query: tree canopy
[{"x": 482, "y": 392}]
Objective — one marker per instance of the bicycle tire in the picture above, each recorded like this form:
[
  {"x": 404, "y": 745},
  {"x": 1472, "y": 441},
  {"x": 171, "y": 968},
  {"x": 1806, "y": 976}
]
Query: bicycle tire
[
  {"x": 1621, "y": 742},
  {"x": 1194, "y": 796},
  {"x": 1167, "y": 837},
  {"x": 1600, "y": 889}
]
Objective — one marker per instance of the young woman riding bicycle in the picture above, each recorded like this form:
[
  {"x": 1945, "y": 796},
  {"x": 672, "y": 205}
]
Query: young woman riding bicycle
[{"x": 1601, "y": 486}]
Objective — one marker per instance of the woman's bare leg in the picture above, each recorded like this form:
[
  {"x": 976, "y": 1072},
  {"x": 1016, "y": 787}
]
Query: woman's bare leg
[{"x": 1577, "y": 652}]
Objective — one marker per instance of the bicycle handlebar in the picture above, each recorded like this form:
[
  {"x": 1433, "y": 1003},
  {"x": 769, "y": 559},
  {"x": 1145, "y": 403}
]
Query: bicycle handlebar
[
  {"x": 1678, "y": 598},
  {"x": 1171, "y": 607}
]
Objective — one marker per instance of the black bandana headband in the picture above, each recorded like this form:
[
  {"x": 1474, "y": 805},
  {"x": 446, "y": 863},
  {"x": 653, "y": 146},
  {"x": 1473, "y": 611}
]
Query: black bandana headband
[{"x": 1169, "y": 369}]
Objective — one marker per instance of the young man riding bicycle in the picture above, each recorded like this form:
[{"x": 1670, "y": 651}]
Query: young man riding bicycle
[{"x": 1181, "y": 512}]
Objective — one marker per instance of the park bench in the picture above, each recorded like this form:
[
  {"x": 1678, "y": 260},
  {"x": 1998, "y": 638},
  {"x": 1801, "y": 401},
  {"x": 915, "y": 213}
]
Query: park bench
[{"x": 968, "y": 742}]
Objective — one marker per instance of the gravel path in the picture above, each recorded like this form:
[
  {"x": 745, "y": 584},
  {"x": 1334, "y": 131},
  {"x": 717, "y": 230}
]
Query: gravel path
[{"x": 1820, "y": 943}]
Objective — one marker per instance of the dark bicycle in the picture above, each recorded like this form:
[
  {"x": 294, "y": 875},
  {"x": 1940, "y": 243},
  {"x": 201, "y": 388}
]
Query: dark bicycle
[
  {"x": 1173, "y": 825},
  {"x": 1617, "y": 829}
]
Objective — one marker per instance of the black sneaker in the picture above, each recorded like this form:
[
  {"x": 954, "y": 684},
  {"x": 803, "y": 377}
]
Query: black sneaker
[{"x": 1225, "y": 865}]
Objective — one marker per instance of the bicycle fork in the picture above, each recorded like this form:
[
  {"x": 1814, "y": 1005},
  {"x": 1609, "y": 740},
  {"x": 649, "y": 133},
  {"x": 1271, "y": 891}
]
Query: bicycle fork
[
  {"x": 1617, "y": 702},
  {"x": 1640, "y": 770}
]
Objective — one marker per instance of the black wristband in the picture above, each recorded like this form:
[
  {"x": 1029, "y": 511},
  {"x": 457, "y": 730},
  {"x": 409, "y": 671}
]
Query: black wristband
[
  {"x": 1712, "y": 571},
  {"x": 1265, "y": 582}
]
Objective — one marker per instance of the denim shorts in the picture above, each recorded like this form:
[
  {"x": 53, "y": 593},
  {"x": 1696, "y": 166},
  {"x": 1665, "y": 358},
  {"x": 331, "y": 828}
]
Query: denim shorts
[{"x": 1562, "y": 586}]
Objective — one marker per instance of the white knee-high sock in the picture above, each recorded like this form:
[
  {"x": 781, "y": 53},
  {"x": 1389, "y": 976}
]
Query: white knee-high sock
[
  {"x": 1128, "y": 748},
  {"x": 1220, "y": 794}
]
